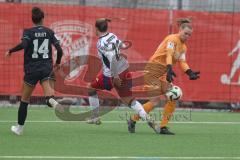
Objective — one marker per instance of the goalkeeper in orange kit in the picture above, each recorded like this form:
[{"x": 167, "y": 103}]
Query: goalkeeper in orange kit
[{"x": 159, "y": 73}]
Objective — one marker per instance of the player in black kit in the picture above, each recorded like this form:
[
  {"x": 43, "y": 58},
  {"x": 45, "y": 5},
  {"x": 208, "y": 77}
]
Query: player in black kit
[{"x": 38, "y": 64}]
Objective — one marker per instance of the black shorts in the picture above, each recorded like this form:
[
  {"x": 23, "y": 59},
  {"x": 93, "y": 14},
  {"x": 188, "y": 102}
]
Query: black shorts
[{"x": 40, "y": 72}]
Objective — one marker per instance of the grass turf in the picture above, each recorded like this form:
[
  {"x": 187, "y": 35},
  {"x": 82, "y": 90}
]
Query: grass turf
[{"x": 46, "y": 135}]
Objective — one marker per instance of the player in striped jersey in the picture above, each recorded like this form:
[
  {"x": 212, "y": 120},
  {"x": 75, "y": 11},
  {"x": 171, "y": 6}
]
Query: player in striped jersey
[{"x": 114, "y": 72}]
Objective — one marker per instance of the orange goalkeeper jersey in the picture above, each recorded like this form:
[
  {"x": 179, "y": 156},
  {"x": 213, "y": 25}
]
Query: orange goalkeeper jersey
[{"x": 170, "y": 51}]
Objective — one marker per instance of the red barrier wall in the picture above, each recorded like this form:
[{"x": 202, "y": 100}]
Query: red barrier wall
[{"x": 215, "y": 34}]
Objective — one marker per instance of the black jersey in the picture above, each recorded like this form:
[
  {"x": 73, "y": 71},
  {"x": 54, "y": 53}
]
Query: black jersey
[{"x": 39, "y": 47}]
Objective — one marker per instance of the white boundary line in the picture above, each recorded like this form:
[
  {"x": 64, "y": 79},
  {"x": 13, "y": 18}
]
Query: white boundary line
[
  {"x": 58, "y": 121},
  {"x": 113, "y": 157}
]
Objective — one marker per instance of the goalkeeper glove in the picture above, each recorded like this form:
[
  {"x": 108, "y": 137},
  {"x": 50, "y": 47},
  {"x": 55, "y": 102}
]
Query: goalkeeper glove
[
  {"x": 192, "y": 75},
  {"x": 170, "y": 73}
]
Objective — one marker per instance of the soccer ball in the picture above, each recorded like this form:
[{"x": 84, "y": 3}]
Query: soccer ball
[{"x": 174, "y": 93}]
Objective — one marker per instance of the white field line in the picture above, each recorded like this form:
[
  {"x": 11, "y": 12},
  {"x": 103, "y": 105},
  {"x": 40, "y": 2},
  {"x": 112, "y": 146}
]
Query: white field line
[{"x": 58, "y": 121}]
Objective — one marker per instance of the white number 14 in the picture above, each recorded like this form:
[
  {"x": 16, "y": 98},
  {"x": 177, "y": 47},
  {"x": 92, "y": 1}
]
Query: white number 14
[{"x": 43, "y": 49}]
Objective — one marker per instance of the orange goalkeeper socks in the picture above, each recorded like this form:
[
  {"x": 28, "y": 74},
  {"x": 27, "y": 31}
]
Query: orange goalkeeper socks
[
  {"x": 169, "y": 108},
  {"x": 148, "y": 107}
]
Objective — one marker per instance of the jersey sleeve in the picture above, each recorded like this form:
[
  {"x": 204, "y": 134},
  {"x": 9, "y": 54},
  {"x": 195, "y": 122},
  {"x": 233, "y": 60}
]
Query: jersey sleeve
[
  {"x": 184, "y": 66},
  {"x": 26, "y": 35},
  {"x": 117, "y": 45},
  {"x": 182, "y": 61},
  {"x": 112, "y": 43},
  {"x": 23, "y": 44},
  {"x": 115, "y": 57},
  {"x": 170, "y": 48},
  {"x": 56, "y": 43},
  {"x": 55, "y": 39},
  {"x": 26, "y": 38}
]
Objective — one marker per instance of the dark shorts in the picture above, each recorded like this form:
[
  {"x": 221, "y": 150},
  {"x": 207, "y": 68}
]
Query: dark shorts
[
  {"x": 38, "y": 72},
  {"x": 105, "y": 83}
]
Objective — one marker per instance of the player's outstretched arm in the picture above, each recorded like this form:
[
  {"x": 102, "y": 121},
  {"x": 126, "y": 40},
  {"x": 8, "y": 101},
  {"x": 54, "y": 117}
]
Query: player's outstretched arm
[
  {"x": 18, "y": 47},
  {"x": 7, "y": 54},
  {"x": 185, "y": 67},
  {"x": 192, "y": 74},
  {"x": 169, "y": 57}
]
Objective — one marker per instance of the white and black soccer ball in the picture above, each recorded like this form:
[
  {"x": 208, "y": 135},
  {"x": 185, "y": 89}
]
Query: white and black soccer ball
[{"x": 174, "y": 93}]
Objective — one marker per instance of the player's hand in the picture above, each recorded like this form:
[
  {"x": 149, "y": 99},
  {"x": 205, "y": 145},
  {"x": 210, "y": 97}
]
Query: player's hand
[
  {"x": 117, "y": 82},
  {"x": 230, "y": 53},
  {"x": 170, "y": 73},
  {"x": 7, "y": 54},
  {"x": 192, "y": 75}
]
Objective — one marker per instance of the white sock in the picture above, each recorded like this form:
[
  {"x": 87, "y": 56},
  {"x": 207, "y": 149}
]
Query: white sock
[
  {"x": 94, "y": 103},
  {"x": 136, "y": 106}
]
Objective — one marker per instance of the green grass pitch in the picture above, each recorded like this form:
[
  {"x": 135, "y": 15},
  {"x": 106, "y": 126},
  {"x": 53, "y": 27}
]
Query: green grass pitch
[{"x": 199, "y": 135}]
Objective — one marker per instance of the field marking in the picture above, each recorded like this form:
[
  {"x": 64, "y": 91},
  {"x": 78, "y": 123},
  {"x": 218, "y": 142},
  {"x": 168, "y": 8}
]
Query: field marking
[
  {"x": 113, "y": 157},
  {"x": 113, "y": 122}
]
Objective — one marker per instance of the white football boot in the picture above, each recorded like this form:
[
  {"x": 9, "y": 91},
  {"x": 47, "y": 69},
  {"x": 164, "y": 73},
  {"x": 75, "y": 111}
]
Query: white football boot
[{"x": 17, "y": 129}]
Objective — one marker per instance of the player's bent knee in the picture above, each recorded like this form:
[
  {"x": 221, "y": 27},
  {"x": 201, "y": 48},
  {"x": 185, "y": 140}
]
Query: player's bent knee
[{"x": 130, "y": 101}]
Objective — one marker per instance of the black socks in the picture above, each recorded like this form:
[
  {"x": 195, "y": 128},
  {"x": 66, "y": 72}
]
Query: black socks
[{"x": 22, "y": 112}]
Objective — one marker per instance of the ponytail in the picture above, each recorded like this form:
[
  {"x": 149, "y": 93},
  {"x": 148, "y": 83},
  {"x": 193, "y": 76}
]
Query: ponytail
[{"x": 108, "y": 20}]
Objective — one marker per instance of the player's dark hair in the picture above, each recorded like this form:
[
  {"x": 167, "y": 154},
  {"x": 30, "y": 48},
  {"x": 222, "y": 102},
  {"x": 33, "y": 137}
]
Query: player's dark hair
[
  {"x": 37, "y": 15},
  {"x": 184, "y": 22},
  {"x": 102, "y": 24}
]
